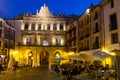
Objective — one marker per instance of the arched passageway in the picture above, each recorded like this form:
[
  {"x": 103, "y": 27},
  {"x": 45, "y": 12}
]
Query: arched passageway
[{"x": 44, "y": 58}]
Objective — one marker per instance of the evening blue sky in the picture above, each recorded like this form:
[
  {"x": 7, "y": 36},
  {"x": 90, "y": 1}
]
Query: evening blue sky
[{"x": 11, "y": 8}]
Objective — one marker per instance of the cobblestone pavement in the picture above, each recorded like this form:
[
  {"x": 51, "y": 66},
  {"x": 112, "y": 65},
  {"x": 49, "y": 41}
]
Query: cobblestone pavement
[{"x": 41, "y": 73}]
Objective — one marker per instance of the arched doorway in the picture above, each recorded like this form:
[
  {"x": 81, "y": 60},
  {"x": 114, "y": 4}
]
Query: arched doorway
[{"x": 44, "y": 58}]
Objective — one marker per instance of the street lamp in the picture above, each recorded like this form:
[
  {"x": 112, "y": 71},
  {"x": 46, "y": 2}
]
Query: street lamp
[{"x": 58, "y": 57}]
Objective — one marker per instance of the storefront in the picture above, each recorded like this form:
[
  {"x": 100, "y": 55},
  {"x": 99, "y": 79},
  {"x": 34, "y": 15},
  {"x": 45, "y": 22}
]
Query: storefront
[{"x": 4, "y": 58}]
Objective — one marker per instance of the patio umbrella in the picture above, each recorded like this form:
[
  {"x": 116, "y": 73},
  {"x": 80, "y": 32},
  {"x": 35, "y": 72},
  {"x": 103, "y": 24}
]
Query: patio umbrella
[
  {"x": 76, "y": 57},
  {"x": 101, "y": 54},
  {"x": 86, "y": 57}
]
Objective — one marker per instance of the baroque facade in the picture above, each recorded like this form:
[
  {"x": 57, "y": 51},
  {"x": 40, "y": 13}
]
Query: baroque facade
[{"x": 39, "y": 36}]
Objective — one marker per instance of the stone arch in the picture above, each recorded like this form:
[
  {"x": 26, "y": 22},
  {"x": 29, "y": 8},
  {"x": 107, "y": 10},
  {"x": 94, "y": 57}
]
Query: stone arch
[
  {"x": 26, "y": 59},
  {"x": 57, "y": 52},
  {"x": 44, "y": 57},
  {"x": 23, "y": 57}
]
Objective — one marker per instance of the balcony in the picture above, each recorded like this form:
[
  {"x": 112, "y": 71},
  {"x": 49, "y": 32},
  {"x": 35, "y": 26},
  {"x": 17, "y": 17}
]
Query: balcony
[
  {"x": 113, "y": 27},
  {"x": 96, "y": 31},
  {"x": 84, "y": 48}
]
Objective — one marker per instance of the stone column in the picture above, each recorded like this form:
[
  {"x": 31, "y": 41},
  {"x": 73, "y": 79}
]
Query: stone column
[
  {"x": 42, "y": 26},
  {"x": 58, "y": 26},
  {"x": 51, "y": 26},
  {"x": 29, "y": 26},
  {"x": 36, "y": 26},
  {"x": 64, "y": 28},
  {"x": 22, "y": 26}
]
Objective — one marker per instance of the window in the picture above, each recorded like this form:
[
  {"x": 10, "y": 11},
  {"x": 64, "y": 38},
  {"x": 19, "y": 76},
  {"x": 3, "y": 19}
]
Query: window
[
  {"x": 113, "y": 22},
  {"x": 28, "y": 41},
  {"x": 81, "y": 23},
  {"x": 58, "y": 41},
  {"x": 33, "y": 27},
  {"x": 112, "y": 3},
  {"x": 96, "y": 27},
  {"x": 61, "y": 26},
  {"x": 48, "y": 26},
  {"x": 0, "y": 32},
  {"x": 95, "y": 15},
  {"x": 26, "y": 26},
  {"x": 54, "y": 26},
  {"x": 0, "y": 23},
  {"x": 0, "y": 43},
  {"x": 96, "y": 43},
  {"x": 39, "y": 26},
  {"x": 87, "y": 18},
  {"x": 114, "y": 38}
]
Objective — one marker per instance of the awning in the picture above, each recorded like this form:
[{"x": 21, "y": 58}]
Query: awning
[
  {"x": 82, "y": 57},
  {"x": 90, "y": 55},
  {"x": 76, "y": 57},
  {"x": 99, "y": 53}
]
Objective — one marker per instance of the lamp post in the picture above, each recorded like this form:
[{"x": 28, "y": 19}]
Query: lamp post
[{"x": 58, "y": 57}]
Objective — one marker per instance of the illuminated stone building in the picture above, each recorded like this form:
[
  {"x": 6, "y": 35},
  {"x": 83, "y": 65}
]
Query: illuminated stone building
[
  {"x": 72, "y": 36},
  {"x": 39, "y": 35},
  {"x": 84, "y": 31},
  {"x": 112, "y": 24},
  {"x": 7, "y": 39},
  {"x": 111, "y": 11},
  {"x": 98, "y": 30}
]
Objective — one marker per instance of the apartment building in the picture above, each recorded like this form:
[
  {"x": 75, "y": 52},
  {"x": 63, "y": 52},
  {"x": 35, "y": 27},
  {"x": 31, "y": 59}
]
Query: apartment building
[
  {"x": 7, "y": 39},
  {"x": 111, "y": 15},
  {"x": 72, "y": 37}
]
